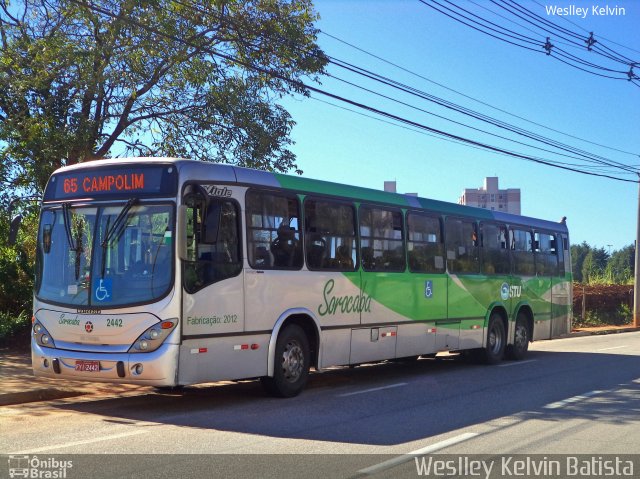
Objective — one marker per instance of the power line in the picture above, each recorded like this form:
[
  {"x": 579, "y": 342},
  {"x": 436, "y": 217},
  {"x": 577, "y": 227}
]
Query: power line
[
  {"x": 301, "y": 85},
  {"x": 589, "y": 156},
  {"x": 406, "y": 70},
  {"x": 523, "y": 41},
  {"x": 476, "y": 115},
  {"x": 590, "y": 43},
  {"x": 450, "y": 140},
  {"x": 585, "y": 30}
]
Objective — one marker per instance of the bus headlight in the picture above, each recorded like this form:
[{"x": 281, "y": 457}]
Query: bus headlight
[
  {"x": 42, "y": 336},
  {"x": 153, "y": 337}
]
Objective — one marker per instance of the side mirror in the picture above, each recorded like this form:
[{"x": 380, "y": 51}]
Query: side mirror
[{"x": 13, "y": 229}]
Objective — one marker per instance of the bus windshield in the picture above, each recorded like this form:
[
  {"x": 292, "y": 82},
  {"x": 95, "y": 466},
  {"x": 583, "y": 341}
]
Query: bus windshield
[{"x": 105, "y": 256}]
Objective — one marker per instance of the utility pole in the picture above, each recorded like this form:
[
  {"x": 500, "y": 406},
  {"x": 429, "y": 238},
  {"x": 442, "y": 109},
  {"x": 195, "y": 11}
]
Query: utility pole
[{"x": 636, "y": 273}]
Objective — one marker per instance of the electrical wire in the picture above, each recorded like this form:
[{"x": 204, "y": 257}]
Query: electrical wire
[
  {"x": 476, "y": 115},
  {"x": 422, "y": 77},
  {"x": 569, "y": 59},
  {"x": 303, "y": 86}
]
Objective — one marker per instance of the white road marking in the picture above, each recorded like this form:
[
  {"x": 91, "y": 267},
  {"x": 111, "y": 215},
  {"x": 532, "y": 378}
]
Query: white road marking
[
  {"x": 609, "y": 349},
  {"x": 372, "y": 390},
  {"x": 419, "y": 452},
  {"x": 515, "y": 363},
  {"x": 80, "y": 443},
  {"x": 559, "y": 404}
]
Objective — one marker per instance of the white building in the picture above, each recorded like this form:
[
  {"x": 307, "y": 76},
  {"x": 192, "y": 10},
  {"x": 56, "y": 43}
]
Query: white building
[{"x": 491, "y": 197}]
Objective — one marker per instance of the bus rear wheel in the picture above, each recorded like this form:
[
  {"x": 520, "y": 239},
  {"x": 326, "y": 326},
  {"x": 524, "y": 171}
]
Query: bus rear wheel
[
  {"x": 292, "y": 359},
  {"x": 518, "y": 350},
  {"x": 493, "y": 351}
]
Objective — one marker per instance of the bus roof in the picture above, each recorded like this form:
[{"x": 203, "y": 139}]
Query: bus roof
[{"x": 246, "y": 176}]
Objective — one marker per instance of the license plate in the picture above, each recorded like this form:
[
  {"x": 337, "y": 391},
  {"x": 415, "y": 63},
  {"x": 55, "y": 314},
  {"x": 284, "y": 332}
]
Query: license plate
[{"x": 89, "y": 366}]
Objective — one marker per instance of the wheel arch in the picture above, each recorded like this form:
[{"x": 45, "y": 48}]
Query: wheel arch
[
  {"x": 309, "y": 324},
  {"x": 525, "y": 309},
  {"x": 501, "y": 309}
]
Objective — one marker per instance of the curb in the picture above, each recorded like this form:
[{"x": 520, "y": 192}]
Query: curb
[
  {"x": 35, "y": 395},
  {"x": 596, "y": 332}
]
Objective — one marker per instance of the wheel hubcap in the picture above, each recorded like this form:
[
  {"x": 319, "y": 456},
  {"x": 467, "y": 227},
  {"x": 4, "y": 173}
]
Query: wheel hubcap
[
  {"x": 292, "y": 361},
  {"x": 521, "y": 337},
  {"x": 495, "y": 341}
]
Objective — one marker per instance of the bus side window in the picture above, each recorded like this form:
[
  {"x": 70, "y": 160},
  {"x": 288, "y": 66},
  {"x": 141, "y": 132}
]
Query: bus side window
[
  {"x": 546, "y": 257},
  {"x": 273, "y": 232},
  {"x": 522, "y": 252},
  {"x": 424, "y": 244},
  {"x": 330, "y": 235},
  {"x": 495, "y": 255},
  {"x": 558, "y": 248},
  {"x": 461, "y": 240},
  {"x": 220, "y": 257},
  {"x": 381, "y": 231}
]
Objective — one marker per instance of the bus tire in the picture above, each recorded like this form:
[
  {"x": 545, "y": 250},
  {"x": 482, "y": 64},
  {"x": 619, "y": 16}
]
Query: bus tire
[
  {"x": 292, "y": 359},
  {"x": 493, "y": 351},
  {"x": 518, "y": 350}
]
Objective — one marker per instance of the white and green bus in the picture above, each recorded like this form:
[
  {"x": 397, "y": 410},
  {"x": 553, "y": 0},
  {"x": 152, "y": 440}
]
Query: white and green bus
[{"x": 170, "y": 272}]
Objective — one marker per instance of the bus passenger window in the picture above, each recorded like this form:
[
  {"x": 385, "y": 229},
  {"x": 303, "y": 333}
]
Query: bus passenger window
[
  {"x": 461, "y": 239},
  {"x": 522, "y": 252},
  {"x": 330, "y": 236},
  {"x": 546, "y": 257},
  {"x": 381, "y": 237},
  {"x": 273, "y": 233},
  {"x": 495, "y": 255},
  {"x": 424, "y": 244}
]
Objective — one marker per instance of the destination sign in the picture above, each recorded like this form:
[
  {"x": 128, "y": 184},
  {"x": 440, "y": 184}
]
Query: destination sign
[{"x": 116, "y": 182}]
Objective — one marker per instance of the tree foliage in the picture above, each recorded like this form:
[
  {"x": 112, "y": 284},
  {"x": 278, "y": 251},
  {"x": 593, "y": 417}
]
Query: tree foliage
[
  {"x": 85, "y": 79},
  {"x": 591, "y": 264},
  {"x": 578, "y": 254},
  {"x": 621, "y": 265}
]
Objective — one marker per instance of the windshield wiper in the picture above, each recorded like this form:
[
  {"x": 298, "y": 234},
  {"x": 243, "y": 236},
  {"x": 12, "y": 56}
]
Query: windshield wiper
[
  {"x": 77, "y": 247},
  {"x": 115, "y": 231}
]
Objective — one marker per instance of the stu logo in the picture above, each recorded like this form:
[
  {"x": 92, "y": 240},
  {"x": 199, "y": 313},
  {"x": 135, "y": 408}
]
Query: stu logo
[{"x": 512, "y": 291}]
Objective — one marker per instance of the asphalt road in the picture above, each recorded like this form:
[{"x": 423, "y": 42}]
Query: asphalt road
[{"x": 570, "y": 396}]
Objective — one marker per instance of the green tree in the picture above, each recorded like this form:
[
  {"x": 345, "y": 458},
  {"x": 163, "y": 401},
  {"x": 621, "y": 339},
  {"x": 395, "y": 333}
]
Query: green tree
[
  {"x": 621, "y": 265},
  {"x": 578, "y": 254},
  {"x": 83, "y": 80},
  {"x": 594, "y": 265}
]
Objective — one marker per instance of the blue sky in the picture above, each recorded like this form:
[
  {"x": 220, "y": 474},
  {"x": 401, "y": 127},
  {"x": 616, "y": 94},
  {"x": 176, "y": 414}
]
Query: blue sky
[{"x": 338, "y": 145}]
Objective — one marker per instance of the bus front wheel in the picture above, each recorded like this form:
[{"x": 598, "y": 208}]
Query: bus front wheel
[{"x": 292, "y": 359}]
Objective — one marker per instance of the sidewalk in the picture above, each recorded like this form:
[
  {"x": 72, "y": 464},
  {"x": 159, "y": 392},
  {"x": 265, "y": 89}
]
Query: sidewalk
[{"x": 18, "y": 385}]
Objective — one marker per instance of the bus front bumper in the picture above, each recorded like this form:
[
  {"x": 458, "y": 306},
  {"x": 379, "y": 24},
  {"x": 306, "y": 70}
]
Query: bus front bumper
[{"x": 156, "y": 368}]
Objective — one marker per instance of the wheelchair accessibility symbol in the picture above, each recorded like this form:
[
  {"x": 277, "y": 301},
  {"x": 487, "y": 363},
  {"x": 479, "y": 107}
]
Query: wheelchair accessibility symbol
[
  {"x": 102, "y": 292},
  {"x": 428, "y": 289}
]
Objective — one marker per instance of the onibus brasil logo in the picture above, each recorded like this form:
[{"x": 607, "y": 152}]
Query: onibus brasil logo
[{"x": 32, "y": 467}]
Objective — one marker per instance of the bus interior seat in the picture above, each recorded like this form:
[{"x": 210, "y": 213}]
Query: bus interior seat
[
  {"x": 316, "y": 252},
  {"x": 262, "y": 257}
]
